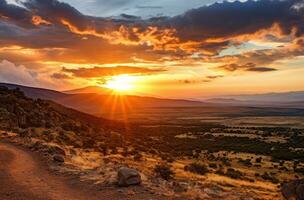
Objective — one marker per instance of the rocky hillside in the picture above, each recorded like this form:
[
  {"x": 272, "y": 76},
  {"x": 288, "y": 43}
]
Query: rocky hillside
[{"x": 50, "y": 121}]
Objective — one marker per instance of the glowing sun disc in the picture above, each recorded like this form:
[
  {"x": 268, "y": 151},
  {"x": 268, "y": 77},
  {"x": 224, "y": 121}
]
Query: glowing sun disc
[{"x": 121, "y": 83}]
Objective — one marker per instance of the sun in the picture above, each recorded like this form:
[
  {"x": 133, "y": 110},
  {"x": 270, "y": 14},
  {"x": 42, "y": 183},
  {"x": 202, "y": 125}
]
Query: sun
[{"x": 121, "y": 83}]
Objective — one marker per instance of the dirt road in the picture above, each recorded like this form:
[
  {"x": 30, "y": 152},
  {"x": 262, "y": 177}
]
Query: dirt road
[{"x": 23, "y": 176}]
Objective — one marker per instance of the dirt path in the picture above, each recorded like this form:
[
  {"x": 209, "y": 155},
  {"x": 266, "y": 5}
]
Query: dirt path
[{"x": 25, "y": 177}]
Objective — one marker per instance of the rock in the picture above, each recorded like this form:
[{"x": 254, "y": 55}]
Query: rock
[
  {"x": 293, "y": 190},
  {"x": 37, "y": 146},
  {"x": 300, "y": 192},
  {"x": 58, "y": 158},
  {"x": 73, "y": 152},
  {"x": 179, "y": 187},
  {"x": 128, "y": 176},
  {"x": 56, "y": 150},
  {"x": 131, "y": 193},
  {"x": 288, "y": 190}
]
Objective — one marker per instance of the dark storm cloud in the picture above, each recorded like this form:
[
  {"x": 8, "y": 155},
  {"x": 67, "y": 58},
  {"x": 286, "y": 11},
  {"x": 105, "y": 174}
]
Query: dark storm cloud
[
  {"x": 205, "y": 31},
  {"x": 55, "y": 11},
  {"x": 220, "y": 20},
  {"x": 15, "y": 14},
  {"x": 109, "y": 71},
  {"x": 224, "y": 20}
]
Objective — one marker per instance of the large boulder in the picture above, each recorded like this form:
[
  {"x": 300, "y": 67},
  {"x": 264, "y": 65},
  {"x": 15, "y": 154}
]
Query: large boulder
[
  {"x": 128, "y": 176},
  {"x": 293, "y": 190}
]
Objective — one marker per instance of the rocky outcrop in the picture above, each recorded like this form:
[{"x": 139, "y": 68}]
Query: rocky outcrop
[
  {"x": 127, "y": 176},
  {"x": 293, "y": 190}
]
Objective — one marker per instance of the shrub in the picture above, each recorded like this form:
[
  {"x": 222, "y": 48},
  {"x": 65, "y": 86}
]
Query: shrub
[
  {"x": 235, "y": 174},
  {"x": 213, "y": 165},
  {"x": 104, "y": 149},
  {"x": 246, "y": 162},
  {"x": 226, "y": 162},
  {"x": 164, "y": 171},
  {"x": 270, "y": 178},
  {"x": 138, "y": 157},
  {"x": 196, "y": 168},
  {"x": 258, "y": 160},
  {"x": 114, "y": 150},
  {"x": 220, "y": 171}
]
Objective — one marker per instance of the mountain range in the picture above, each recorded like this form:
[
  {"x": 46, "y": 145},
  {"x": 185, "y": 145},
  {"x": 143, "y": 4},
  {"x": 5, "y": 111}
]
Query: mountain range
[
  {"x": 96, "y": 100},
  {"x": 99, "y": 101}
]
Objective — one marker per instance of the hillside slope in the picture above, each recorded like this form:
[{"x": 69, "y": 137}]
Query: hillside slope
[{"x": 24, "y": 115}]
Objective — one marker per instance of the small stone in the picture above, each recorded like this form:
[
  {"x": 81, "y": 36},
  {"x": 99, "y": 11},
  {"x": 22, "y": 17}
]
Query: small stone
[
  {"x": 58, "y": 158},
  {"x": 131, "y": 193}
]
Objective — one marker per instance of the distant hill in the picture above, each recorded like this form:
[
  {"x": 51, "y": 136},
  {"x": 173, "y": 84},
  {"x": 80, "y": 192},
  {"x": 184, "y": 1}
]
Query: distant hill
[
  {"x": 100, "y": 104},
  {"x": 271, "y": 97},
  {"x": 36, "y": 92},
  {"x": 86, "y": 100},
  {"x": 90, "y": 90},
  {"x": 256, "y": 103}
]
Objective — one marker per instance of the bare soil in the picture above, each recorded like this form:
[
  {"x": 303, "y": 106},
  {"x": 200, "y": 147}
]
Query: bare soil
[{"x": 25, "y": 176}]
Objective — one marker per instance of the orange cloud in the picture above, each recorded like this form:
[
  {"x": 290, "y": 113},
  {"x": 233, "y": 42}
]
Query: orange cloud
[
  {"x": 158, "y": 39},
  {"x": 97, "y": 72},
  {"x": 3, "y": 16},
  {"x": 37, "y": 20}
]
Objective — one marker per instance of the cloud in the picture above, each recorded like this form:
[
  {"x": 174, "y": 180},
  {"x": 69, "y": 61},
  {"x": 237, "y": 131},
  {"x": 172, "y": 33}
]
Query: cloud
[
  {"x": 60, "y": 76},
  {"x": 60, "y": 33},
  {"x": 246, "y": 67},
  {"x": 258, "y": 60},
  {"x": 225, "y": 20},
  {"x": 19, "y": 74},
  {"x": 261, "y": 69},
  {"x": 207, "y": 79},
  {"x": 98, "y": 72},
  {"x": 214, "y": 77},
  {"x": 15, "y": 14},
  {"x": 148, "y": 7},
  {"x": 11, "y": 73}
]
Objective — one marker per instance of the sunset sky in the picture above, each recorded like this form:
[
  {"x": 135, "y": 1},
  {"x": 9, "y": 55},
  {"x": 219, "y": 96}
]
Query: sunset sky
[{"x": 165, "y": 48}]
